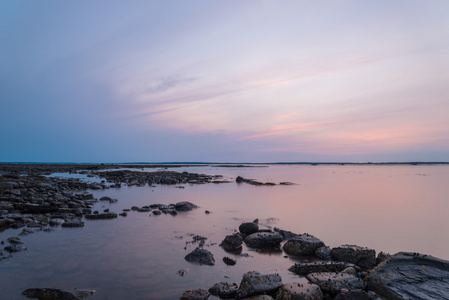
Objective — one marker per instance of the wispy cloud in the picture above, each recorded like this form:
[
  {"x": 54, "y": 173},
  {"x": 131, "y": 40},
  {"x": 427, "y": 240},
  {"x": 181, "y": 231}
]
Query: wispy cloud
[{"x": 166, "y": 83}]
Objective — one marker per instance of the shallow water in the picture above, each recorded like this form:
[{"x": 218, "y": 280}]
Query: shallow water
[{"x": 387, "y": 208}]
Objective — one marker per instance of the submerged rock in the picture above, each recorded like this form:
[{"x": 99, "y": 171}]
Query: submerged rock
[
  {"x": 57, "y": 294},
  {"x": 254, "y": 283},
  {"x": 303, "y": 245},
  {"x": 229, "y": 261},
  {"x": 411, "y": 276},
  {"x": 201, "y": 256},
  {"x": 297, "y": 291},
  {"x": 73, "y": 223}
]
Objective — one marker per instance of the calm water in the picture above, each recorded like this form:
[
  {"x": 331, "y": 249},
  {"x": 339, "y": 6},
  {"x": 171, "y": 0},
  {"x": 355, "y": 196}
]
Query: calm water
[{"x": 388, "y": 208}]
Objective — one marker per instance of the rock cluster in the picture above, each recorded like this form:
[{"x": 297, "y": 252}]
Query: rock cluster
[{"x": 342, "y": 273}]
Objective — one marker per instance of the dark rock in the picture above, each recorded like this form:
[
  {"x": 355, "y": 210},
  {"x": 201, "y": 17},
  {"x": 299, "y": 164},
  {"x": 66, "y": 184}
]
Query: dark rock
[
  {"x": 263, "y": 239},
  {"x": 183, "y": 272},
  {"x": 259, "y": 297},
  {"x": 14, "y": 240},
  {"x": 106, "y": 215},
  {"x": 410, "y": 276},
  {"x": 73, "y": 223},
  {"x": 286, "y": 235},
  {"x": 144, "y": 209},
  {"x": 195, "y": 295},
  {"x": 232, "y": 242},
  {"x": 157, "y": 212},
  {"x": 327, "y": 266},
  {"x": 15, "y": 248},
  {"x": 185, "y": 206},
  {"x": 363, "y": 257},
  {"x": 352, "y": 295},
  {"x": 240, "y": 179},
  {"x": 382, "y": 256},
  {"x": 297, "y": 291},
  {"x": 57, "y": 294},
  {"x": 201, "y": 256},
  {"x": 224, "y": 290},
  {"x": 248, "y": 228},
  {"x": 253, "y": 283},
  {"x": 134, "y": 208},
  {"x": 303, "y": 245},
  {"x": 105, "y": 198},
  {"x": 324, "y": 253},
  {"x": 333, "y": 283},
  {"x": 123, "y": 214},
  {"x": 229, "y": 261}
]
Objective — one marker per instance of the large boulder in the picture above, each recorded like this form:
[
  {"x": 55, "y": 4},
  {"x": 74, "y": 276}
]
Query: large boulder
[
  {"x": 315, "y": 267},
  {"x": 263, "y": 239},
  {"x": 410, "y": 276},
  {"x": 303, "y": 245},
  {"x": 248, "y": 228},
  {"x": 254, "y": 283},
  {"x": 361, "y": 256},
  {"x": 232, "y": 242},
  {"x": 201, "y": 256},
  {"x": 297, "y": 291},
  {"x": 353, "y": 295},
  {"x": 224, "y": 290},
  {"x": 333, "y": 283}
]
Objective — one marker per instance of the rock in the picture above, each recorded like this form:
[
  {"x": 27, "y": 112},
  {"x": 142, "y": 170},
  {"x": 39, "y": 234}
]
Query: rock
[
  {"x": 232, "y": 242},
  {"x": 324, "y": 253},
  {"x": 248, "y": 228},
  {"x": 14, "y": 240},
  {"x": 105, "y": 198},
  {"x": 185, "y": 206},
  {"x": 253, "y": 283},
  {"x": 15, "y": 248},
  {"x": 229, "y": 261},
  {"x": 201, "y": 256},
  {"x": 195, "y": 295},
  {"x": 352, "y": 295},
  {"x": 183, "y": 272},
  {"x": 102, "y": 216},
  {"x": 144, "y": 209},
  {"x": 410, "y": 276},
  {"x": 327, "y": 266},
  {"x": 57, "y": 294},
  {"x": 382, "y": 256},
  {"x": 157, "y": 212},
  {"x": 303, "y": 245},
  {"x": 363, "y": 257},
  {"x": 263, "y": 239},
  {"x": 333, "y": 283},
  {"x": 259, "y": 297},
  {"x": 286, "y": 234},
  {"x": 297, "y": 291},
  {"x": 224, "y": 290},
  {"x": 73, "y": 223},
  {"x": 123, "y": 214}
]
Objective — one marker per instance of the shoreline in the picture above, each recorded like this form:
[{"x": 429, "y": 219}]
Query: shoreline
[{"x": 29, "y": 197}]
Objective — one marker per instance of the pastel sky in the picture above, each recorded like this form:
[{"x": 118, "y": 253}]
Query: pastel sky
[{"x": 224, "y": 81}]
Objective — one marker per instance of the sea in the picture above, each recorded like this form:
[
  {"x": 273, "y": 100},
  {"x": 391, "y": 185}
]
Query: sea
[{"x": 388, "y": 208}]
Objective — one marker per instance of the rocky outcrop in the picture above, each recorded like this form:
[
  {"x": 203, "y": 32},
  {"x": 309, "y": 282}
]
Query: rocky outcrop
[
  {"x": 263, "y": 239},
  {"x": 254, "y": 283},
  {"x": 410, "y": 276},
  {"x": 363, "y": 257},
  {"x": 297, "y": 291},
  {"x": 185, "y": 206},
  {"x": 201, "y": 256},
  {"x": 240, "y": 179},
  {"x": 303, "y": 245}
]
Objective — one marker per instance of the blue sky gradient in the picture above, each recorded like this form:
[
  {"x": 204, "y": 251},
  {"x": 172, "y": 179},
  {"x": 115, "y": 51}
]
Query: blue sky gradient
[{"x": 224, "y": 81}]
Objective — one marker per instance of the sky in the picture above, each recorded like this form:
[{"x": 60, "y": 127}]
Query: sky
[{"x": 224, "y": 81}]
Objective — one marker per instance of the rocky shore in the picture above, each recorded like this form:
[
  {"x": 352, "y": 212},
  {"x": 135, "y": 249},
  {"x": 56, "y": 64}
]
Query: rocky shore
[
  {"x": 33, "y": 201},
  {"x": 347, "y": 272}
]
